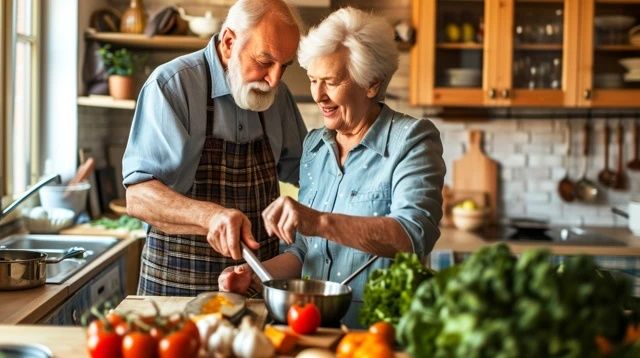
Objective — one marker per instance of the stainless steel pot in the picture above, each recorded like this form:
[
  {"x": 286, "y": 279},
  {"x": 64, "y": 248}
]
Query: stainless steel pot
[
  {"x": 21, "y": 269},
  {"x": 331, "y": 298}
]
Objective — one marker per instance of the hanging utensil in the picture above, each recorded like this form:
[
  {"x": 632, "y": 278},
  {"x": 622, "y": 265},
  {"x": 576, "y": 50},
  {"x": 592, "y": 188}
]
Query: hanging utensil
[
  {"x": 586, "y": 190},
  {"x": 566, "y": 186},
  {"x": 606, "y": 175},
  {"x": 634, "y": 164},
  {"x": 619, "y": 180}
]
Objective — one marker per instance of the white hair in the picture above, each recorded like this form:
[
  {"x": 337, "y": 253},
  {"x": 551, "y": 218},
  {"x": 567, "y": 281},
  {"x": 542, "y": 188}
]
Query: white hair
[
  {"x": 245, "y": 14},
  {"x": 369, "y": 39}
]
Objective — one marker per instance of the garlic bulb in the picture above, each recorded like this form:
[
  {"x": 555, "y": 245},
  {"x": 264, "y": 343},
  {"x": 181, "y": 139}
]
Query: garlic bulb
[
  {"x": 221, "y": 341},
  {"x": 206, "y": 327},
  {"x": 250, "y": 342}
]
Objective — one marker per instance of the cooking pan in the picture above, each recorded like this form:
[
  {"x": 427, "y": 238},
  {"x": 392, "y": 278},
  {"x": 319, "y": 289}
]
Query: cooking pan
[
  {"x": 21, "y": 269},
  {"x": 331, "y": 298}
]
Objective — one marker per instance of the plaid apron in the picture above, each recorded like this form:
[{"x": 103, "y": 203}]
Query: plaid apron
[{"x": 240, "y": 176}]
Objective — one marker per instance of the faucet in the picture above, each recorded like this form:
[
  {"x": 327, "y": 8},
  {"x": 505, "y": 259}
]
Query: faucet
[{"x": 31, "y": 191}]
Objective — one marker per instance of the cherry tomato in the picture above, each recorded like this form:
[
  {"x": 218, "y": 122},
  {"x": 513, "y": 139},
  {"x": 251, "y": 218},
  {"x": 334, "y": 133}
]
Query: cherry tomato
[
  {"x": 304, "y": 319},
  {"x": 114, "y": 318},
  {"x": 104, "y": 345},
  {"x": 178, "y": 344},
  {"x": 95, "y": 327},
  {"x": 385, "y": 331},
  {"x": 139, "y": 345}
]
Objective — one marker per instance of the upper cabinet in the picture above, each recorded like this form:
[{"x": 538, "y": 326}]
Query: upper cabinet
[
  {"x": 523, "y": 53},
  {"x": 609, "y": 63}
]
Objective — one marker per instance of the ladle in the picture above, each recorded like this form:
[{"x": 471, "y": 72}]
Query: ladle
[
  {"x": 619, "y": 180},
  {"x": 606, "y": 175},
  {"x": 586, "y": 190},
  {"x": 566, "y": 186},
  {"x": 634, "y": 164}
]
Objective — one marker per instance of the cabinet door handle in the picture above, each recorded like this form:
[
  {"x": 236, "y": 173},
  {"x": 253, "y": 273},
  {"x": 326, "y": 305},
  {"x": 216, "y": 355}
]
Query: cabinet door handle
[
  {"x": 506, "y": 93},
  {"x": 587, "y": 94},
  {"x": 492, "y": 93}
]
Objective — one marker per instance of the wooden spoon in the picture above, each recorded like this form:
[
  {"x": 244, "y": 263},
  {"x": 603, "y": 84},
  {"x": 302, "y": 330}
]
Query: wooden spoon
[
  {"x": 566, "y": 186},
  {"x": 619, "y": 180},
  {"x": 606, "y": 175},
  {"x": 634, "y": 164}
]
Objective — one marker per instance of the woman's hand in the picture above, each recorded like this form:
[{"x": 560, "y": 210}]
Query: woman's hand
[
  {"x": 235, "y": 279},
  {"x": 284, "y": 216},
  {"x": 226, "y": 229}
]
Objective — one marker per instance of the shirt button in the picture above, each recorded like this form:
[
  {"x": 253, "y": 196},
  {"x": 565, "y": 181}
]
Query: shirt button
[
  {"x": 326, "y": 261},
  {"x": 241, "y": 127}
]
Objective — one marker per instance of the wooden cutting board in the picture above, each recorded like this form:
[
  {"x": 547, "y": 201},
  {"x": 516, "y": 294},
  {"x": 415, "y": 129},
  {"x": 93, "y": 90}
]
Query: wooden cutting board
[{"x": 475, "y": 171}]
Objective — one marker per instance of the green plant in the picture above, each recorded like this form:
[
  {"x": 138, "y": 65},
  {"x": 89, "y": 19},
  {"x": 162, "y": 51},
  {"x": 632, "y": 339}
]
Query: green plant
[{"x": 118, "y": 62}]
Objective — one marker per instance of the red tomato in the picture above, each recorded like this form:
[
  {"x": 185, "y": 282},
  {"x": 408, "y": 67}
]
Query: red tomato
[
  {"x": 95, "y": 327},
  {"x": 139, "y": 345},
  {"x": 114, "y": 318},
  {"x": 304, "y": 319},
  {"x": 104, "y": 345},
  {"x": 178, "y": 344}
]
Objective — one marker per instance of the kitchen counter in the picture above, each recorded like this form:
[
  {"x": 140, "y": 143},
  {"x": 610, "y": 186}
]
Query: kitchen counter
[
  {"x": 70, "y": 342},
  {"x": 31, "y": 305},
  {"x": 462, "y": 241}
]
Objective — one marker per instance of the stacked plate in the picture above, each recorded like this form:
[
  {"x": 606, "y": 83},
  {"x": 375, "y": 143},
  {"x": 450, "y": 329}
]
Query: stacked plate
[
  {"x": 608, "y": 80},
  {"x": 614, "y": 22},
  {"x": 634, "y": 35},
  {"x": 632, "y": 64}
]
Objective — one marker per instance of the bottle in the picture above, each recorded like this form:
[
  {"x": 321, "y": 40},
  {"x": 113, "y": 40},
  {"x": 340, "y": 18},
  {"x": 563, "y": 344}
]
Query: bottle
[{"x": 134, "y": 19}]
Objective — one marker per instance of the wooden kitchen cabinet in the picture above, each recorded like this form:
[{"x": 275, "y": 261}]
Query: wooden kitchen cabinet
[
  {"x": 528, "y": 53},
  {"x": 605, "y": 43}
]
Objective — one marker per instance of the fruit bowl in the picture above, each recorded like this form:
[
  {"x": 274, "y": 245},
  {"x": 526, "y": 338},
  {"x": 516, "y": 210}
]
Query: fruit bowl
[{"x": 469, "y": 219}]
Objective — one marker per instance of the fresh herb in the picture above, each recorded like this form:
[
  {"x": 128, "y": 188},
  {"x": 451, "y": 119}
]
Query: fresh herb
[
  {"x": 494, "y": 305},
  {"x": 388, "y": 292},
  {"x": 124, "y": 222}
]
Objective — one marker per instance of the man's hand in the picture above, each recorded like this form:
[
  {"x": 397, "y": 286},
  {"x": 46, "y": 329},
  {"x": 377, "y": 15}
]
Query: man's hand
[
  {"x": 226, "y": 229},
  {"x": 235, "y": 279},
  {"x": 284, "y": 216}
]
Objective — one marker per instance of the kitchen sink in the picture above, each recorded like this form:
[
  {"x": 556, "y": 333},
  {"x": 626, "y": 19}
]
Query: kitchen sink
[
  {"x": 56, "y": 245},
  {"x": 556, "y": 235}
]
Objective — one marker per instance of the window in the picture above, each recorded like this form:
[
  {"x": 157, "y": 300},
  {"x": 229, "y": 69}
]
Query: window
[{"x": 19, "y": 103}]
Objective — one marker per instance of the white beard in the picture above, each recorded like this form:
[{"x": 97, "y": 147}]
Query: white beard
[{"x": 254, "y": 96}]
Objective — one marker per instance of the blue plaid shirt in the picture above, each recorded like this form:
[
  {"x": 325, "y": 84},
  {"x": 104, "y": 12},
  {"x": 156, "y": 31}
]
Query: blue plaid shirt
[{"x": 396, "y": 171}]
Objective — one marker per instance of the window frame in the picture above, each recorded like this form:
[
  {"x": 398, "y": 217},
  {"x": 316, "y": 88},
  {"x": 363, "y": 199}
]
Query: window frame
[{"x": 10, "y": 38}]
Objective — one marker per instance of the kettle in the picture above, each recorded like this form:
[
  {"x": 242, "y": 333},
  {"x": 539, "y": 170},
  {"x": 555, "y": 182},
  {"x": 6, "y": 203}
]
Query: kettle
[{"x": 203, "y": 26}]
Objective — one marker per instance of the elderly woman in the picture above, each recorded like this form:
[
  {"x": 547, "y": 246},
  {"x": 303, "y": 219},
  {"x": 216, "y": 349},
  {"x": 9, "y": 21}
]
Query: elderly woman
[{"x": 370, "y": 180}]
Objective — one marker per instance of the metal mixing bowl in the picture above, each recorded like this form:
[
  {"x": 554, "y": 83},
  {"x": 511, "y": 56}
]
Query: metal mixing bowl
[{"x": 331, "y": 298}]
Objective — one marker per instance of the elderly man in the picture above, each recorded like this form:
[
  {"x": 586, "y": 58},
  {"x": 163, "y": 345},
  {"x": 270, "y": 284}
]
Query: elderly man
[{"x": 212, "y": 133}]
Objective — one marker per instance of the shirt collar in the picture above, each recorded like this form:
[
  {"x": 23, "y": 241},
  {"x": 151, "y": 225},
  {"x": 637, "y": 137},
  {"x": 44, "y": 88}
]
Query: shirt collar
[
  {"x": 218, "y": 79},
  {"x": 376, "y": 138}
]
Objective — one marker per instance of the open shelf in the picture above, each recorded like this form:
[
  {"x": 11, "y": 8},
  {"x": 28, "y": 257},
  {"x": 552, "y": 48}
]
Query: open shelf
[
  {"x": 146, "y": 42},
  {"x": 539, "y": 47},
  {"x": 615, "y": 48},
  {"x": 106, "y": 102}
]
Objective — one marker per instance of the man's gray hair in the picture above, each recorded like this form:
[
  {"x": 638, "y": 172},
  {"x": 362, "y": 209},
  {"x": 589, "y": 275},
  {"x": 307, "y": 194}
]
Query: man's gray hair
[
  {"x": 369, "y": 39},
  {"x": 245, "y": 14}
]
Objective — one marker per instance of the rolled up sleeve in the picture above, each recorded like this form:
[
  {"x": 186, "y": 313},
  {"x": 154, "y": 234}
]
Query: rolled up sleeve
[
  {"x": 417, "y": 186},
  {"x": 298, "y": 248}
]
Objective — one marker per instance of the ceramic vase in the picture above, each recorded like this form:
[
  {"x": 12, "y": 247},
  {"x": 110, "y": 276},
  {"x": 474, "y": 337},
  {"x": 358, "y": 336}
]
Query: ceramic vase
[{"x": 134, "y": 19}]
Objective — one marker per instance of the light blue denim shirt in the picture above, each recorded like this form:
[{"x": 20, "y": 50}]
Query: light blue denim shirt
[
  {"x": 396, "y": 171},
  {"x": 169, "y": 123}
]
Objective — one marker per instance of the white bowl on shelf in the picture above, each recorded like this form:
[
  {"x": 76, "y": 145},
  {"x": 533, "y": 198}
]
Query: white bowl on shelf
[
  {"x": 631, "y": 63},
  {"x": 463, "y": 77},
  {"x": 48, "y": 221},
  {"x": 614, "y": 22}
]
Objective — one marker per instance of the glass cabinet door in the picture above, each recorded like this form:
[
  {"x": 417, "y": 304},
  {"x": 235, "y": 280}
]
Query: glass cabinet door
[
  {"x": 449, "y": 60},
  {"x": 614, "y": 53},
  {"x": 459, "y": 43},
  {"x": 539, "y": 52}
]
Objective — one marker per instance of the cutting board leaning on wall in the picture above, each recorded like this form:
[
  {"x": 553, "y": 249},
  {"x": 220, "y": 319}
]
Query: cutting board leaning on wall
[{"x": 475, "y": 171}]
